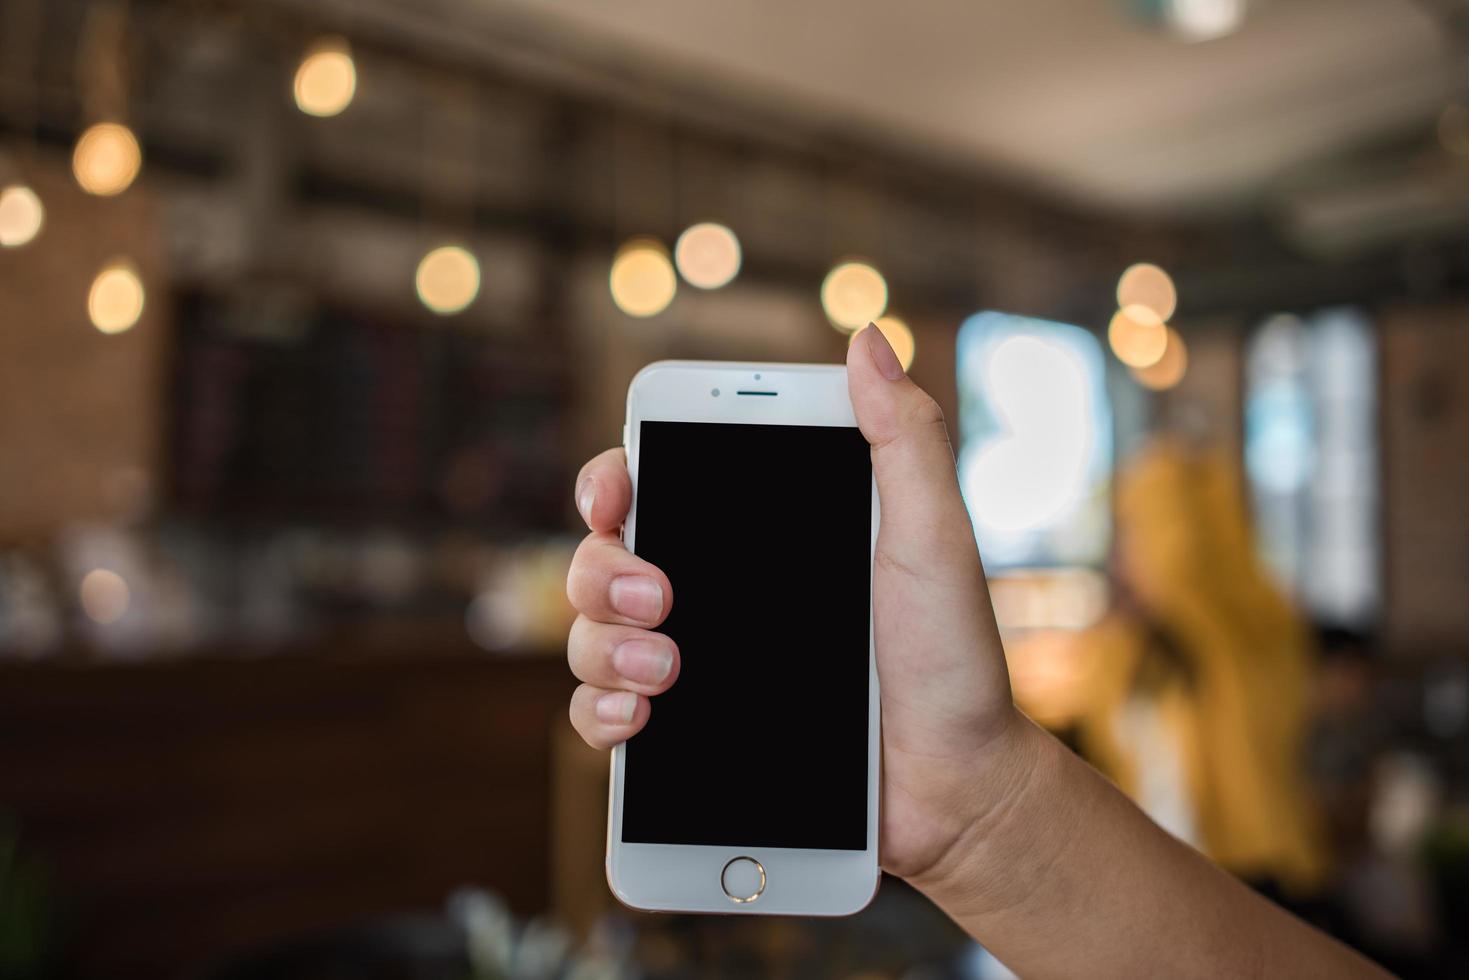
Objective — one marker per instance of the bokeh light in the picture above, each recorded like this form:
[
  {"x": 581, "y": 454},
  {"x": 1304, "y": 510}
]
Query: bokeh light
[
  {"x": 107, "y": 159},
  {"x": 448, "y": 279},
  {"x": 642, "y": 279},
  {"x": 21, "y": 215},
  {"x": 115, "y": 301},
  {"x": 1453, "y": 128},
  {"x": 326, "y": 79},
  {"x": 854, "y": 295},
  {"x": 105, "y": 596},
  {"x": 898, "y": 335},
  {"x": 1204, "y": 20},
  {"x": 1169, "y": 369},
  {"x": 707, "y": 255},
  {"x": 1145, "y": 284},
  {"x": 1137, "y": 335}
]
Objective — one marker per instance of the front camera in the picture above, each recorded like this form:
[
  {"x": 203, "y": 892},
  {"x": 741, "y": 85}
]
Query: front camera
[{"x": 715, "y": 392}]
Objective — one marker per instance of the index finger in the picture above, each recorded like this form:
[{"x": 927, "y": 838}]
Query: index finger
[{"x": 604, "y": 490}]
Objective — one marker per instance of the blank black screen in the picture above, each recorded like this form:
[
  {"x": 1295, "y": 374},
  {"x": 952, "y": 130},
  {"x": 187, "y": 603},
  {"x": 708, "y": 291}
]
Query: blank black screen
[{"x": 764, "y": 532}]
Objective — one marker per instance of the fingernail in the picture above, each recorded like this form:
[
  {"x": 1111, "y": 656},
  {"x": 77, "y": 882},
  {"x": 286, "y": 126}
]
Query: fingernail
[
  {"x": 637, "y": 597},
  {"x": 643, "y": 661},
  {"x": 617, "y": 707},
  {"x": 585, "y": 498},
  {"x": 882, "y": 354}
]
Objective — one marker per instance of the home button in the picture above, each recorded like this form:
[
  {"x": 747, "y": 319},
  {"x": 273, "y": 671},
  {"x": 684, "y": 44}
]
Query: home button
[{"x": 743, "y": 879}]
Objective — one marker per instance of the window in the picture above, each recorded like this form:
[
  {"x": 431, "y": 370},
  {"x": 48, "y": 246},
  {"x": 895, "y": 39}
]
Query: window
[
  {"x": 1035, "y": 450},
  {"x": 1311, "y": 457}
]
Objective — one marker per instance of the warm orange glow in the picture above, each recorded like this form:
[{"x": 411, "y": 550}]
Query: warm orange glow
[
  {"x": 107, "y": 159},
  {"x": 448, "y": 279},
  {"x": 642, "y": 279},
  {"x": 21, "y": 215},
  {"x": 1147, "y": 285},
  {"x": 898, "y": 335},
  {"x": 854, "y": 295},
  {"x": 1169, "y": 369},
  {"x": 707, "y": 255},
  {"x": 1137, "y": 335},
  {"x": 326, "y": 80},
  {"x": 115, "y": 301}
]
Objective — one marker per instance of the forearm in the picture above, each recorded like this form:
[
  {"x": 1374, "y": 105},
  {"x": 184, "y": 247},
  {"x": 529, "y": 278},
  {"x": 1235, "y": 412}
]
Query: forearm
[{"x": 1062, "y": 875}]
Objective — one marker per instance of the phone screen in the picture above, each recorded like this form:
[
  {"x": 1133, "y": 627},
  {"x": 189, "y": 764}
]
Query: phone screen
[{"x": 765, "y": 533}]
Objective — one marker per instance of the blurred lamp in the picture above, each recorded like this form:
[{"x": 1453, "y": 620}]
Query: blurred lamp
[
  {"x": 898, "y": 336},
  {"x": 1203, "y": 20},
  {"x": 105, "y": 596},
  {"x": 854, "y": 295},
  {"x": 448, "y": 279},
  {"x": 708, "y": 255},
  {"x": 1147, "y": 285},
  {"x": 107, "y": 159},
  {"x": 115, "y": 301},
  {"x": 1137, "y": 335},
  {"x": 21, "y": 215},
  {"x": 326, "y": 79},
  {"x": 1169, "y": 369},
  {"x": 642, "y": 279}
]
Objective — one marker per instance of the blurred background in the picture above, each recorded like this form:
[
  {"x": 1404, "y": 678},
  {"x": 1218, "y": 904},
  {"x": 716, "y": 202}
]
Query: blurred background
[{"x": 310, "y": 311}]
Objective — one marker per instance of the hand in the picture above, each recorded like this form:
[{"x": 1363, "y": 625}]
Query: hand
[
  {"x": 1022, "y": 843},
  {"x": 950, "y": 745}
]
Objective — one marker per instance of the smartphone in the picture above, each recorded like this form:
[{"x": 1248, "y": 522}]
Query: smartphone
[{"x": 754, "y": 787}]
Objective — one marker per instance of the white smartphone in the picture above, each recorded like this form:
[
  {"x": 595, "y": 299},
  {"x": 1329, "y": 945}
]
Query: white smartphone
[{"x": 754, "y": 787}]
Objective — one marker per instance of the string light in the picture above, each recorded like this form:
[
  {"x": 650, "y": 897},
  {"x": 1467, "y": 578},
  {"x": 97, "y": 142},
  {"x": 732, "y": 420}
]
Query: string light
[
  {"x": 708, "y": 255},
  {"x": 1145, "y": 284},
  {"x": 115, "y": 301},
  {"x": 854, "y": 294},
  {"x": 1137, "y": 335},
  {"x": 448, "y": 279},
  {"x": 21, "y": 215},
  {"x": 107, "y": 159},
  {"x": 642, "y": 279},
  {"x": 1169, "y": 369},
  {"x": 898, "y": 336},
  {"x": 326, "y": 79},
  {"x": 105, "y": 596}
]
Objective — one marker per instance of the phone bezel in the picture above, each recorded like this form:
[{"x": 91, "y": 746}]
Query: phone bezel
[{"x": 684, "y": 877}]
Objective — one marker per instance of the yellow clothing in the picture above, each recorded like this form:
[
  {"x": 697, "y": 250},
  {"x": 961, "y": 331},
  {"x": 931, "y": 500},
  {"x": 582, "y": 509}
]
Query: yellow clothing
[{"x": 1221, "y": 657}]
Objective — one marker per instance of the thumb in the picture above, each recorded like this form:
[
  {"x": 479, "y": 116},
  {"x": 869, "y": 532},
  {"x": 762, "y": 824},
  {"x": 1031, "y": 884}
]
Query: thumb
[{"x": 925, "y": 529}]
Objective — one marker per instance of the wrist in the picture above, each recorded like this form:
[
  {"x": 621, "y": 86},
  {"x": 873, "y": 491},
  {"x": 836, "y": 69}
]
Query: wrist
[{"x": 1004, "y": 827}]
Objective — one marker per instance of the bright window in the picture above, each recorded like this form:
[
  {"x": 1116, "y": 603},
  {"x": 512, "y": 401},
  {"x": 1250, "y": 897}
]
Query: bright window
[{"x": 1035, "y": 451}]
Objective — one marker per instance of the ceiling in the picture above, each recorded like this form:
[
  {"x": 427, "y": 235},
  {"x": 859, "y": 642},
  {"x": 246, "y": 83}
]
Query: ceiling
[{"x": 1077, "y": 97}]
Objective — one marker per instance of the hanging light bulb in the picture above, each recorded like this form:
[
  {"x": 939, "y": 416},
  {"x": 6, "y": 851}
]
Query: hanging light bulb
[
  {"x": 21, "y": 215},
  {"x": 854, "y": 294},
  {"x": 107, "y": 159},
  {"x": 115, "y": 301},
  {"x": 642, "y": 279},
  {"x": 1147, "y": 285},
  {"x": 326, "y": 79},
  {"x": 708, "y": 255},
  {"x": 1169, "y": 369},
  {"x": 448, "y": 279},
  {"x": 1137, "y": 335},
  {"x": 899, "y": 337}
]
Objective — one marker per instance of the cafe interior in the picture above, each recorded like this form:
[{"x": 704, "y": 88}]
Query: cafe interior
[{"x": 311, "y": 311}]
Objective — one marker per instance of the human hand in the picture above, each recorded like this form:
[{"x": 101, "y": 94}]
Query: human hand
[{"x": 951, "y": 751}]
